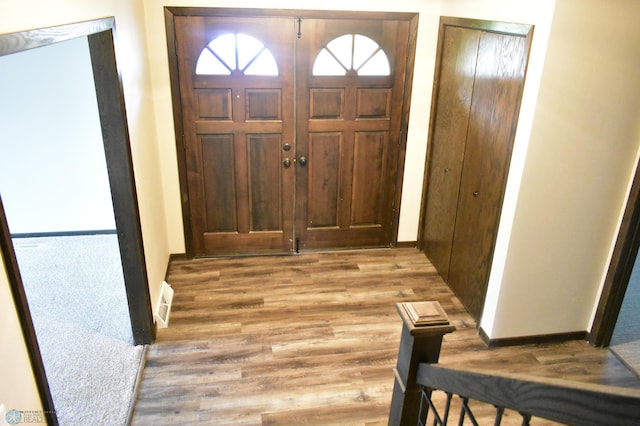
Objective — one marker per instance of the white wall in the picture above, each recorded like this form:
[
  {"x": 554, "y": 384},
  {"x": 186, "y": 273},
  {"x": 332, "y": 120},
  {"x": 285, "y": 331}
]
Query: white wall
[
  {"x": 581, "y": 158},
  {"x": 53, "y": 174}
]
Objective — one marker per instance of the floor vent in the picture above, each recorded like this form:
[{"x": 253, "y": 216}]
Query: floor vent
[{"x": 164, "y": 305}]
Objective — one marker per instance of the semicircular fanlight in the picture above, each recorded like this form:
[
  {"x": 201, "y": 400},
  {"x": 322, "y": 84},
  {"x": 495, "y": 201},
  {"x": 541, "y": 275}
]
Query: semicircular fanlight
[
  {"x": 239, "y": 52},
  {"x": 351, "y": 52}
]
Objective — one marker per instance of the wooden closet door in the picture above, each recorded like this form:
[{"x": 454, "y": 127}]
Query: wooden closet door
[
  {"x": 453, "y": 105},
  {"x": 494, "y": 114},
  {"x": 479, "y": 81}
]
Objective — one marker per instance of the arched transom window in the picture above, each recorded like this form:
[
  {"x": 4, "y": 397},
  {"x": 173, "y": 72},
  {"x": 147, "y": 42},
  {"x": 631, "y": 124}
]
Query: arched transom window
[
  {"x": 351, "y": 52},
  {"x": 236, "y": 52}
]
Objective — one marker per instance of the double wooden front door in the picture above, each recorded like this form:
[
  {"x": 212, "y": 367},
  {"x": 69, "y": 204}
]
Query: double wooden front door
[{"x": 291, "y": 131}]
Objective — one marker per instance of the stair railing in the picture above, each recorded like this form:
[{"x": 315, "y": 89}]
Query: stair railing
[{"x": 425, "y": 392}]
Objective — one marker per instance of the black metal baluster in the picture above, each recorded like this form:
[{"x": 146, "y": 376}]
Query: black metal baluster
[{"x": 499, "y": 414}]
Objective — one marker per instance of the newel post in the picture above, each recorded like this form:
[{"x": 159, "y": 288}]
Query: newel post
[{"x": 424, "y": 324}]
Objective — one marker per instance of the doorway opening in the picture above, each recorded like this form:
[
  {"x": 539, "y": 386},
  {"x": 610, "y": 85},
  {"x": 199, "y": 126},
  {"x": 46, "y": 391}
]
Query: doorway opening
[{"x": 99, "y": 37}]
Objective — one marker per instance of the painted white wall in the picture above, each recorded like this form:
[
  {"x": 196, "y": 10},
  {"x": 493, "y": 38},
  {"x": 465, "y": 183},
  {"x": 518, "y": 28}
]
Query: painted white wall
[
  {"x": 581, "y": 158},
  {"x": 53, "y": 173}
]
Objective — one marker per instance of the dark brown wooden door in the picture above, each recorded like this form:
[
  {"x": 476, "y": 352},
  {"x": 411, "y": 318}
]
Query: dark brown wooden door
[
  {"x": 291, "y": 130},
  {"x": 480, "y": 81},
  {"x": 348, "y": 131},
  {"x": 236, "y": 84}
]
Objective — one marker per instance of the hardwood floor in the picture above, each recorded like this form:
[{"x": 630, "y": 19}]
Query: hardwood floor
[{"x": 313, "y": 339}]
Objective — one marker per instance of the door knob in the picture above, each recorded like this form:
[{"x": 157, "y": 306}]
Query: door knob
[
  {"x": 303, "y": 161},
  {"x": 475, "y": 193},
  {"x": 286, "y": 147},
  {"x": 286, "y": 163}
]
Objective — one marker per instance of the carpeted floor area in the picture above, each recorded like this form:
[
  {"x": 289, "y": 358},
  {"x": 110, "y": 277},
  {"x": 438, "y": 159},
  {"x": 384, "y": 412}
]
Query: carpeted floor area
[{"x": 75, "y": 289}]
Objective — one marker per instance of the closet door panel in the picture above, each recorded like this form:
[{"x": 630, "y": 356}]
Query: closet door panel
[
  {"x": 458, "y": 56},
  {"x": 494, "y": 112}
]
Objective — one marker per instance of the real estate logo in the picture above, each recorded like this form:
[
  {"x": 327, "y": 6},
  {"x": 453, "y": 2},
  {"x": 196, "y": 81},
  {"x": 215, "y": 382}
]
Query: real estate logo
[{"x": 14, "y": 417}]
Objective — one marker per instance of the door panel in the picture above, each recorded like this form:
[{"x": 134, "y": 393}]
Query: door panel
[
  {"x": 324, "y": 178},
  {"x": 219, "y": 183},
  {"x": 494, "y": 113},
  {"x": 452, "y": 108},
  {"x": 239, "y": 192},
  {"x": 265, "y": 182},
  {"x": 368, "y": 179},
  {"x": 348, "y": 129}
]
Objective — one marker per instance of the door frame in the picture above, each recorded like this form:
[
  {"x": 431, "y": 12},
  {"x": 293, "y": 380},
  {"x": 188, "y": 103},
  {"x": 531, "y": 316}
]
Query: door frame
[
  {"x": 620, "y": 268},
  {"x": 115, "y": 134},
  {"x": 171, "y": 11}
]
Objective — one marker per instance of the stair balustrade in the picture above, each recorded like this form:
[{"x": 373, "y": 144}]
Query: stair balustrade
[{"x": 427, "y": 393}]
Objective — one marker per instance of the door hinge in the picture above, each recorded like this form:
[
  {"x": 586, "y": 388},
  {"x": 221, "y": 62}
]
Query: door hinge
[
  {"x": 299, "y": 28},
  {"x": 297, "y": 248}
]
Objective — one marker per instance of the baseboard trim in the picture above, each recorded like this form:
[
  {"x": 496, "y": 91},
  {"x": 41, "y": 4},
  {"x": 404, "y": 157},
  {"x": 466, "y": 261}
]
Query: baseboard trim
[
  {"x": 529, "y": 340},
  {"x": 65, "y": 233},
  {"x": 172, "y": 257},
  {"x": 406, "y": 244}
]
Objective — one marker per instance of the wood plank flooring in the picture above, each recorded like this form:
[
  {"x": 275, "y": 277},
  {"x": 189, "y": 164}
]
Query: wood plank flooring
[{"x": 312, "y": 340}]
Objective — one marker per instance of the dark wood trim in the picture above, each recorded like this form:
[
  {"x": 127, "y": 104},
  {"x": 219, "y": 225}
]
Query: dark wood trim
[
  {"x": 30, "y": 39},
  {"x": 294, "y": 13},
  {"x": 178, "y": 125},
  {"x": 64, "y": 233},
  {"x": 617, "y": 279},
  {"x": 530, "y": 340},
  {"x": 404, "y": 127},
  {"x": 24, "y": 316},
  {"x": 524, "y": 30},
  {"x": 407, "y": 244},
  {"x": 115, "y": 134},
  {"x": 171, "y": 11},
  {"x": 172, "y": 257}
]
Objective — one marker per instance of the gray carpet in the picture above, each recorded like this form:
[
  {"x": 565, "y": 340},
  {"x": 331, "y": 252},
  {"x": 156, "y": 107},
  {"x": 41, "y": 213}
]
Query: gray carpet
[{"x": 77, "y": 299}]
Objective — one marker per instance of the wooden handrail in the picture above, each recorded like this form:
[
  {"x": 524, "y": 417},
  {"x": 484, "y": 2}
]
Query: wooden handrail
[{"x": 574, "y": 403}]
